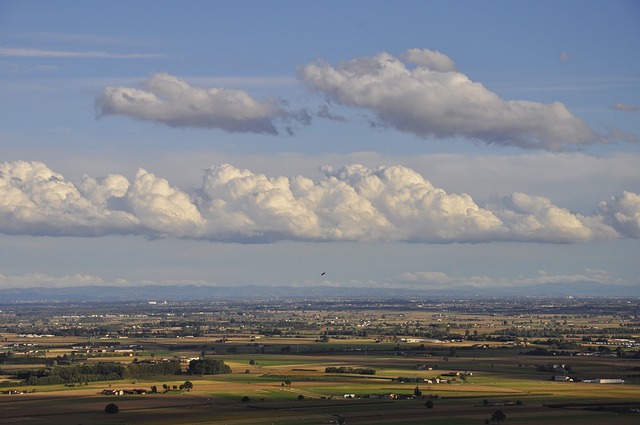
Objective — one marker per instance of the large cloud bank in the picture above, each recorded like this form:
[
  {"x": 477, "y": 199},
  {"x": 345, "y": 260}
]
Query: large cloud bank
[
  {"x": 353, "y": 203},
  {"x": 433, "y": 99},
  {"x": 169, "y": 100}
]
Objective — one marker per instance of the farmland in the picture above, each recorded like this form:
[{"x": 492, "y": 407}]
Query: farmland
[{"x": 355, "y": 361}]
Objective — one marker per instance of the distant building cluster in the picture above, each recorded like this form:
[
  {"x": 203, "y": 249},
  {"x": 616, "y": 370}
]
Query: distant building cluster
[
  {"x": 123, "y": 392},
  {"x": 12, "y": 392},
  {"x": 567, "y": 378},
  {"x": 125, "y": 350},
  {"x": 34, "y": 336}
]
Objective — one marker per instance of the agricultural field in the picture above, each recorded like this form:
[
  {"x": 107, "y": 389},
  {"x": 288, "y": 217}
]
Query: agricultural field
[{"x": 322, "y": 362}]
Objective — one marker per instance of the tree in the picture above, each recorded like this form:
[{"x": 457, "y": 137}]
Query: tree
[
  {"x": 498, "y": 416},
  {"x": 417, "y": 392},
  {"x": 208, "y": 366},
  {"x": 111, "y": 408},
  {"x": 188, "y": 385}
]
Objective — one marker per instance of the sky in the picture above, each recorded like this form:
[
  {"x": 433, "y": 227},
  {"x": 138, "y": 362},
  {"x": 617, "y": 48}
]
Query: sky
[{"x": 413, "y": 144}]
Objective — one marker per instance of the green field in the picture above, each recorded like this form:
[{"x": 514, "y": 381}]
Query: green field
[{"x": 312, "y": 396}]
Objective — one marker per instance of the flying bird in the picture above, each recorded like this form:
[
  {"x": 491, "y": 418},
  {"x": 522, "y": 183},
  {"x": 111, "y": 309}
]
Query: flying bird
[{"x": 322, "y": 274}]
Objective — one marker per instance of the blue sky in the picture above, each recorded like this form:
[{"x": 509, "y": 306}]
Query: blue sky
[{"x": 420, "y": 144}]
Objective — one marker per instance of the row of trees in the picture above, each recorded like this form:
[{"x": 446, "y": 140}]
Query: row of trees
[
  {"x": 92, "y": 372},
  {"x": 347, "y": 369},
  {"x": 73, "y": 374},
  {"x": 111, "y": 371},
  {"x": 188, "y": 385}
]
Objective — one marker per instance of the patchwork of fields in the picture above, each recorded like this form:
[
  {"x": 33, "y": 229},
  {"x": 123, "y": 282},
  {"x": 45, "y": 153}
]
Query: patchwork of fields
[{"x": 394, "y": 373}]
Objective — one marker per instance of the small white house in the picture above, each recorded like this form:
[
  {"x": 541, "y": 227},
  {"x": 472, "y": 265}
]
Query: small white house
[{"x": 608, "y": 381}]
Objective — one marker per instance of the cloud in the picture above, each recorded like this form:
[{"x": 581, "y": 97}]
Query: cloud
[
  {"x": 627, "y": 108},
  {"x": 169, "y": 100},
  {"x": 433, "y": 100},
  {"x": 37, "y": 280},
  {"x": 323, "y": 112},
  {"x": 433, "y": 60},
  {"x": 65, "y": 54},
  {"x": 102, "y": 189},
  {"x": 565, "y": 57},
  {"x": 535, "y": 218},
  {"x": 45, "y": 280},
  {"x": 36, "y": 201},
  {"x": 351, "y": 203},
  {"x": 439, "y": 280},
  {"x": 162, "y": 209},
  {"x": 623, "y": 213}
]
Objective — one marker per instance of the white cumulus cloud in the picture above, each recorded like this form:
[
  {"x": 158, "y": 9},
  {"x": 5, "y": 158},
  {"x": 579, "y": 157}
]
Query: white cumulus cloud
[
  {"x": 535, "y": 218},
  {"x": 37, "y": 201},
  {"x": 433, "y": 60},
  {"x": 164, "y": 210},
  {"x": 432, "y": 99},
  {"x": 101, "y": 190},
  {"x": 172, "y": 101},
  {"x": 623, "y": 213},
  {"x": 351, "y": 203}
]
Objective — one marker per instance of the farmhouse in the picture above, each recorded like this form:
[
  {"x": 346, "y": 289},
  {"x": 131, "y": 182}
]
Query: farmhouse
[
  {"x": 605, "y": 381},
  {"x": 185, "y": 359},
  {"x": 402, "y": 396},
  {"x": 424, "y": 367},
  {"x": 457, "y": 373}
]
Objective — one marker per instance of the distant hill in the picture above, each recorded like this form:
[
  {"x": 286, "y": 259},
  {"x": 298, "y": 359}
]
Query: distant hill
[{"x": 192, "y": 292}]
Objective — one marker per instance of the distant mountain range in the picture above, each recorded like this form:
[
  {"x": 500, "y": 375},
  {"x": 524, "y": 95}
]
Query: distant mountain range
[{"x": 192, "y": 292}]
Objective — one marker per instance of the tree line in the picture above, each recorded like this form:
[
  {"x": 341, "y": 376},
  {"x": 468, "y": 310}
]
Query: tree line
[
  {"x": 347, "y": 369},
  {"x": 112, "y": 371}
]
